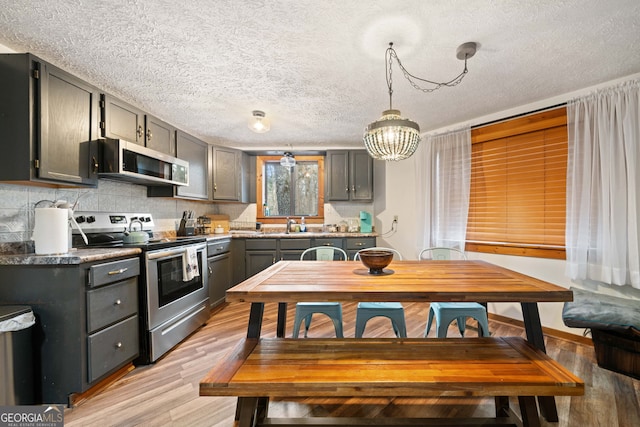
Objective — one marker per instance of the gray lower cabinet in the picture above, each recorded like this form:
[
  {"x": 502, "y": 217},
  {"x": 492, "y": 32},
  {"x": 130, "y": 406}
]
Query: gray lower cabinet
[
  {"x": 259, "y": 254},
  {"x": 262, "y": 252},
  {"x": 87, "y": 322},
  {"x": 220, "y": 270}
]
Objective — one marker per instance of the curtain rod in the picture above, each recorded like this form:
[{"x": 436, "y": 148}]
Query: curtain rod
[{"x": 519, "y": 115}]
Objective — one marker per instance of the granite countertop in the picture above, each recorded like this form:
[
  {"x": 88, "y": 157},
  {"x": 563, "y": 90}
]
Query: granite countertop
[
  {"x": 75, "y": 256},
  {"x": 248, "y": 234}
]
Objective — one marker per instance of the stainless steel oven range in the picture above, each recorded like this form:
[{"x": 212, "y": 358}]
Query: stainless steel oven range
[{"x": 173, "y": 304}]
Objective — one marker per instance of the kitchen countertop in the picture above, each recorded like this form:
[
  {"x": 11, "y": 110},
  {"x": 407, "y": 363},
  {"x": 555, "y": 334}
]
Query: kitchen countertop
[
  {"x": 75, "y": 256},
  {"x": 249, "y": 234}
]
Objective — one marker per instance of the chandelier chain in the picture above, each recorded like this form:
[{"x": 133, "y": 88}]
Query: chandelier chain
[{"x": 410, "y": 77}]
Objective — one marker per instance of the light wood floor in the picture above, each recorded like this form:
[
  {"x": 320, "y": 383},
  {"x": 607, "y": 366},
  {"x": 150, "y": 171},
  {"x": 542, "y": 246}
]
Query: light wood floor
[{"x": 166, "y": 393}]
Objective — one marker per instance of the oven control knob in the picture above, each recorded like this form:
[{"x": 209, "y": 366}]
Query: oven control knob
[
  {"x": 91, "y": 219},
  {"x": 80, "y": 219},
  {"x": 145, "y": 219}
]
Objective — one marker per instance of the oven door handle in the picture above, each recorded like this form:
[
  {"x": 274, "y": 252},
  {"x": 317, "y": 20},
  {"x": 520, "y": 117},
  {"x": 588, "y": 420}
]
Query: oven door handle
[{"x": 170, "y": 253}]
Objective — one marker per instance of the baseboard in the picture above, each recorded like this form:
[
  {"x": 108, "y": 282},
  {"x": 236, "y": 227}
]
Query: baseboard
[{"x": 547, "y": 331}]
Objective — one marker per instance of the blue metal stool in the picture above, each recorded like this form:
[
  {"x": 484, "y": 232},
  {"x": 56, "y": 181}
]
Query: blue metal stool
[
  {"x": 391, "y": 310},
  {"x": 305, "y": 310},
  {"x": 447, "y": 312}
]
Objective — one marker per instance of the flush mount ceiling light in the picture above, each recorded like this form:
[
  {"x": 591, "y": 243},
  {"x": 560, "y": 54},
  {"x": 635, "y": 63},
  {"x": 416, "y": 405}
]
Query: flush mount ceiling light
[
  {"x": 258, "y": 122},
  {"x": 287, "y": 159},
  {"x": 392, "y": 137}
]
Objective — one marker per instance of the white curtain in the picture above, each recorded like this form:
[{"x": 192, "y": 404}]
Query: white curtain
[
  {"x": 603, "y": 181},
  {"x": 443, "y": 169}
]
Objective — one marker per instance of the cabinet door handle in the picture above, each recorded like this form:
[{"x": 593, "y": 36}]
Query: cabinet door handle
[
  {"x": 359, "y": 244},
  {"x": 122, "y": 270},
  {"x": 95, "y": 164},
  {"x": 215, "y": 187},
  {"x": 273, "y": 260},
  {"x": 346, "y": 189},
  {"x": 210, "y": 271},
  {"x": 353, "y": 188},
  {"x": 149, "y": 135},
  {"x": 118, "y": 345},
  {"x": 140, "y": 131},
  {"x": 117, "y": 302}
]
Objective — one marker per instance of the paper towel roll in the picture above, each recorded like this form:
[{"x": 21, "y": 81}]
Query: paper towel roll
[{"x": 51, "y": 231}]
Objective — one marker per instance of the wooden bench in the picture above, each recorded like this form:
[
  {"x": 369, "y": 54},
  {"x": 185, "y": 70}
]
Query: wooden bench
[{"x": 259, "y": 369}]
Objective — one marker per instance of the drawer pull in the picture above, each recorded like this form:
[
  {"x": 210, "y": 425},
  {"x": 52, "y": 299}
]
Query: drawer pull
[
  {"x": 119, "y": 345},
  {"x": 122, "y": 270},
  {"x": 117, "y": 302},
  {"x": 328, "y": 244},
  {"x": 359, "y": 244}
]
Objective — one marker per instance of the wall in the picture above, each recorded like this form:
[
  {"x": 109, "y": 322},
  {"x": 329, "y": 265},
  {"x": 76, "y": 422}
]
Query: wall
[
  {"x": 17, "y": 205},
  {"x": 395, "y": 195}
]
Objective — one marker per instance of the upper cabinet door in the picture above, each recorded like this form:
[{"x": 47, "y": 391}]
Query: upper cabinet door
[
  {"x": 48, "y": 120},
  {"x": 160, "y": 136},
  {"x": 337, "y": 164},
  {"x": 68, "y": 127},
  {"x": 349, "y": 176},
  {"x": 122, "y": 121},
  {"x": 196, "y": 152},
  {"x": 361, "y": 175},
  {"x": 227, "y": 174}
]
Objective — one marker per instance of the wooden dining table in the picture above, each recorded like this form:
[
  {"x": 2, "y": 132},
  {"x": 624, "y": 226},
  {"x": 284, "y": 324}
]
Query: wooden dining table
[{"x": 402, "y": 281}]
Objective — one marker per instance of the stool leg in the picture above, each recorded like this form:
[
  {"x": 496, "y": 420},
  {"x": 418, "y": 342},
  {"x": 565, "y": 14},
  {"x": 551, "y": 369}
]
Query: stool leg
[
  {"x": 361, "y": 323},
  {"x": 442, "y": 327},
  {"x": 462, "y": 324},
  {"x": 296, "y": 326},
  {"x": 426, "y": 331},
  {"x": 400, "y": 329},
  {"x": 337, "y": 325},
  {"x": 307, "y": 323}
]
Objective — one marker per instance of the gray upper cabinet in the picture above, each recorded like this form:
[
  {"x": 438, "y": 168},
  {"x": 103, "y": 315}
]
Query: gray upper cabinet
[
  {"x": 120, "y": 120},
  {"x": 196, "y": 152},
  {"x": 160, "y": 136},
  {"x": 227, "y": 175},
  {"x": 349, "y": 176},
  {"x": 48, "y": 122}
]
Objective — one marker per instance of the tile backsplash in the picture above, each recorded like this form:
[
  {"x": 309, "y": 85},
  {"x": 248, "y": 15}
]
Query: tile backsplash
[{"x": 17, "y": 203}]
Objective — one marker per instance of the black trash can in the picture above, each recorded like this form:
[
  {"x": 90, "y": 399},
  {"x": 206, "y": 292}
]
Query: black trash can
[{"x": 16, "y": 355}]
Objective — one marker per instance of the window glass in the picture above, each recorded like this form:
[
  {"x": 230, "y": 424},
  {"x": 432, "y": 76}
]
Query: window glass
[
  {"x": 291, "y": 191},
  {"x": 284, "y": 191}
]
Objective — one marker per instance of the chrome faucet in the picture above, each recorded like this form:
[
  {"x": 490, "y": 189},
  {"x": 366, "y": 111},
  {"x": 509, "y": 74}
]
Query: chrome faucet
[{"x": 289, "y": 222}]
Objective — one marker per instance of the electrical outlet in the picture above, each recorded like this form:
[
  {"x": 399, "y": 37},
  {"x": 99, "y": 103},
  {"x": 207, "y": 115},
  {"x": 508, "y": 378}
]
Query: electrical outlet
[{"x": 395, "y": 218}]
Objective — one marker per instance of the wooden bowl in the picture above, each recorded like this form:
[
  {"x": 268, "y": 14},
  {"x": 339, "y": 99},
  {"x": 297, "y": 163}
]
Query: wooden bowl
[{"x": 376, "y": 260}]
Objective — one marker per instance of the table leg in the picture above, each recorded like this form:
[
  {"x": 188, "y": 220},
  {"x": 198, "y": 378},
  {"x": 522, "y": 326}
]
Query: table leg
[
  {"x": 533, "y": 328},
  {"x": 255, "y": 320},
  {"x": 282, "y": 320}
]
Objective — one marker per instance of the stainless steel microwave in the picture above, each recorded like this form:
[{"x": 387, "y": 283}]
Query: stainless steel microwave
[{"x": 127, "y": 161}]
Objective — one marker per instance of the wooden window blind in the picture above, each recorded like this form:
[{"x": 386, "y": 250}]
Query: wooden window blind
[{"x": 518, "y": 186}]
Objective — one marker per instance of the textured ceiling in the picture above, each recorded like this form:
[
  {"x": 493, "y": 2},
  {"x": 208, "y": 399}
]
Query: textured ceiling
[{"x": 317, "y": 67}]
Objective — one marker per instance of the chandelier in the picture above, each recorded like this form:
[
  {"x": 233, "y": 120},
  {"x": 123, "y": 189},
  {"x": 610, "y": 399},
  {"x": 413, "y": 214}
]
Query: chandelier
[
  {"x": 287, "y": 160},
  {"x": 393, "y": 137}
]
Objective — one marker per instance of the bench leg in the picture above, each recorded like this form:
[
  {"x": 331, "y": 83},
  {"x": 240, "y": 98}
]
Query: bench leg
[
  {"x": 529, "y": 411},
  {"x": 502, "y": 406},
  {"x": 246, "y": 411},
  {"x": 535, "y": 336},
  {"x": 282, "y": 319}
]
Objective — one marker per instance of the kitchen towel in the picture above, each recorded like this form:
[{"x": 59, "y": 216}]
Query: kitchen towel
[{"x": 190, "y": 264}]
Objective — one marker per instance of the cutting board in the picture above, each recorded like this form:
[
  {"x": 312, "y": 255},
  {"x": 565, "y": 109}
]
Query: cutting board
[{"x": 219, "y": 220}]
